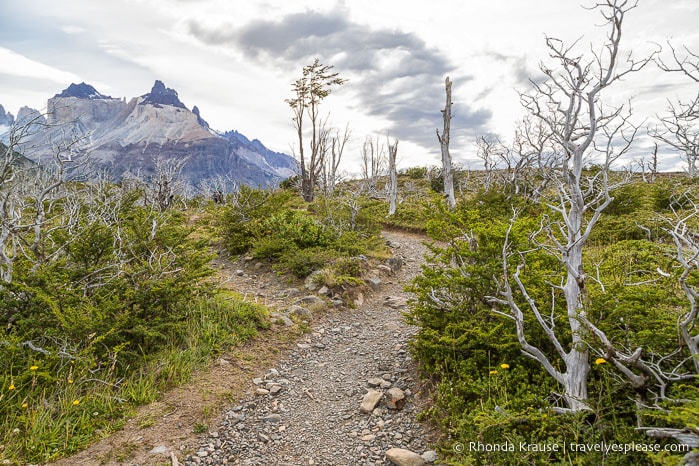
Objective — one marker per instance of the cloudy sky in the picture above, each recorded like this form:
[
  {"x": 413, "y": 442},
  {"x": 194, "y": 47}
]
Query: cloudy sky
[{"x": 236, "y": 60}]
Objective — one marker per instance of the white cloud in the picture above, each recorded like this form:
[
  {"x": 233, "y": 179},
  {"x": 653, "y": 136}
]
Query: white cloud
[
  {"x": 69, "y": 29},
  {"x": 13, "y": 63},
  {"x": 489, "y": 48}
]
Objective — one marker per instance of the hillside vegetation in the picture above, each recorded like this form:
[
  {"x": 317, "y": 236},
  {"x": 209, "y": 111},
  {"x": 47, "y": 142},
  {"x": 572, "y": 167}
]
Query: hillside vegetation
[
  {"x": 497, "y": 403},
  {"x": 108, "y": 296},
  {"x": 117, "y": 303}
]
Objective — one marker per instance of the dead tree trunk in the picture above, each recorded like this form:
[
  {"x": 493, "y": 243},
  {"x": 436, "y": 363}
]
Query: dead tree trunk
[
  {"x": 444, "y": 145},
  {"x": 569, "y": 105},
  {"x": 393, "y": 177}
]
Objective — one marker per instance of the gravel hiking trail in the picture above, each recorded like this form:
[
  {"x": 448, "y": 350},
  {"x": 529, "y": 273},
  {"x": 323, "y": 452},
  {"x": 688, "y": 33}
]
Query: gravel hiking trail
[{"x": 344, "y": 392}]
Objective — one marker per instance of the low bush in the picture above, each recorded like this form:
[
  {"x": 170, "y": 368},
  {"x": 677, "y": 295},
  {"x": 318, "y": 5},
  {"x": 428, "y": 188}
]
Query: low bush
[
  {"x": 299, "y": 241},
  {"x": 500, "y": 405}
]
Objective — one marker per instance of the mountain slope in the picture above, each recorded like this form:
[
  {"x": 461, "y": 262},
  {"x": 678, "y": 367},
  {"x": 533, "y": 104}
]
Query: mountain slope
[{"x": 120, "y": 137}]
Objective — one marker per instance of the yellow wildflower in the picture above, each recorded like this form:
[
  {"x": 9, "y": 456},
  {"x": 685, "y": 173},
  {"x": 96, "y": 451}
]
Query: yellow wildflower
[
  {"x": 70, "y": 380},
  {"x": 76, "y": 402},
  {"x": 33, "y": 368},
  {"x": 11, "y": 387},
  {"x": 599, "y": 361},
  {"x": 493, "y": 372},
  {"x": 24, "y": 405},
  {"x": 504, "y": 366}
]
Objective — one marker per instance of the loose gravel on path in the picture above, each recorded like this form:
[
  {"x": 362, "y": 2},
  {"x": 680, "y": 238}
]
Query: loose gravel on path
[{"x": 306, "y": 409}]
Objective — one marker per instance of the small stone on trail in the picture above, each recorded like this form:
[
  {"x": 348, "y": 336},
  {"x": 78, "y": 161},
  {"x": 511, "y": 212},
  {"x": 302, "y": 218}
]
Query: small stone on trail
[
  {"x": 300, "y": 312},
  {"x": 275, "y": 389},
  {"x": 395, "y": 398},
  {"x": 370, "y": 400},
  {"x": 430, "y": 456},
  {"x": 403, "y": 457},
  {"x": 374, "y": 283},
  {"x": 395, "y": 302},
  {"x": 374, "y": 381},
  {"x": 272, "y": 418}
]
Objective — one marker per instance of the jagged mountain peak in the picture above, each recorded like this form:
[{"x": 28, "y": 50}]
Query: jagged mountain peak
[
  {"x": 129, "y": 137},
  {"x": 6, "y": 119},
  {"x": 160, "y": 95},
  {"x": 203, "y": 122},
  {"x": 82, "y": 91}
]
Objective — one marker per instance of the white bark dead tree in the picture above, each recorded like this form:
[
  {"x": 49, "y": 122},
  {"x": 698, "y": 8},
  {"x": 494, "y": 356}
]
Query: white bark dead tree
[
  {"x": 33, "y": 201},
  {"x": 490, "y": 150},
  {"x": 331, "y": 165},
  {"x": 686, "y": 241},
  {"x": 443, "y": 139},
  {"x": 679, "y": 128},
  {"x": 373, "y": 162},
  {"x": 392, "y": 176},
  {"x": 570, "y": 106}
]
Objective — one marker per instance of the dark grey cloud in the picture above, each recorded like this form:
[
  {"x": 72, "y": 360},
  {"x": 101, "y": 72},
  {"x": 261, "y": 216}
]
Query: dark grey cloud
[{"x": 392, "y": 73}]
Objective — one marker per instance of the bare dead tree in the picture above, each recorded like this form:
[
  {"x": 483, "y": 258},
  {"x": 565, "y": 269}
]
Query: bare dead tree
[
  {"x": 444, "y": 145},
  {"x": 582, "y": 130},
  {"x": 679, "y": 128},
  {"x": 393, "y": 176},
  {"x": 653, "y": 164},
  {"x": 647, "y": 168},
  {"x": 217, "y": 188},
  {"x": 373, "y": 162},
  {"x": 685, "y": 235},
  {"x": 331, "y": 165},
  {"x": 165, "y": 183},
  {"x": 32, "y": 196},
  {"x": 490, "y": 150}
]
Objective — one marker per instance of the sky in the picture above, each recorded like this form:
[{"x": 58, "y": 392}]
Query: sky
[{"x": 237, "y": 60}]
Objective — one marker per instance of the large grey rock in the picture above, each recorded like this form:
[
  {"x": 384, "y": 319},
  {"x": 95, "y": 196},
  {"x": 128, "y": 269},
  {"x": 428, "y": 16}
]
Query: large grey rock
[
  {"x": 311, "y": 282},
  {"x": 289, "y": 292},
  {"x": 430, "y": 456},
  {"x": 395, "y": 398},
  {"x": 395, "y": 302},
  {"x": 395, "y": 263},
  {"x": 281, "y": 318},
  {"x": 310, "y": 300},
  {"x": 403, "y": 457},
  {"x": 374, "y": 283},
  {"x": 370, "y": 400},
  {"x": 300, "y": 312}
]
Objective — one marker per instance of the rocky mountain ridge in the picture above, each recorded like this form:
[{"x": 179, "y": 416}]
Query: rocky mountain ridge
[
  {"x": 134, "y": 136},
  {"x": 6, "y": 118}
]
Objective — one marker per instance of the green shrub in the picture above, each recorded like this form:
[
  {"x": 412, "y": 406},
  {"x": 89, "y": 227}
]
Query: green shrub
[
  {"x": 348, "y": 266},
  {"x": 242, "y": 219},
  {"x": 415, "y": 173},
  {"x": 461, "y": 342},
  {"x": 302, "y": 262}
]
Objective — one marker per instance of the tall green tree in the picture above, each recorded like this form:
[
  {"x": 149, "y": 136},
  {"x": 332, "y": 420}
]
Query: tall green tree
[{"x": 309, "y": 91}]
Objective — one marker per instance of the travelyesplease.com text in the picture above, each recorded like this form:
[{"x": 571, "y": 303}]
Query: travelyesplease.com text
[{"x": 570, "y": 447}]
